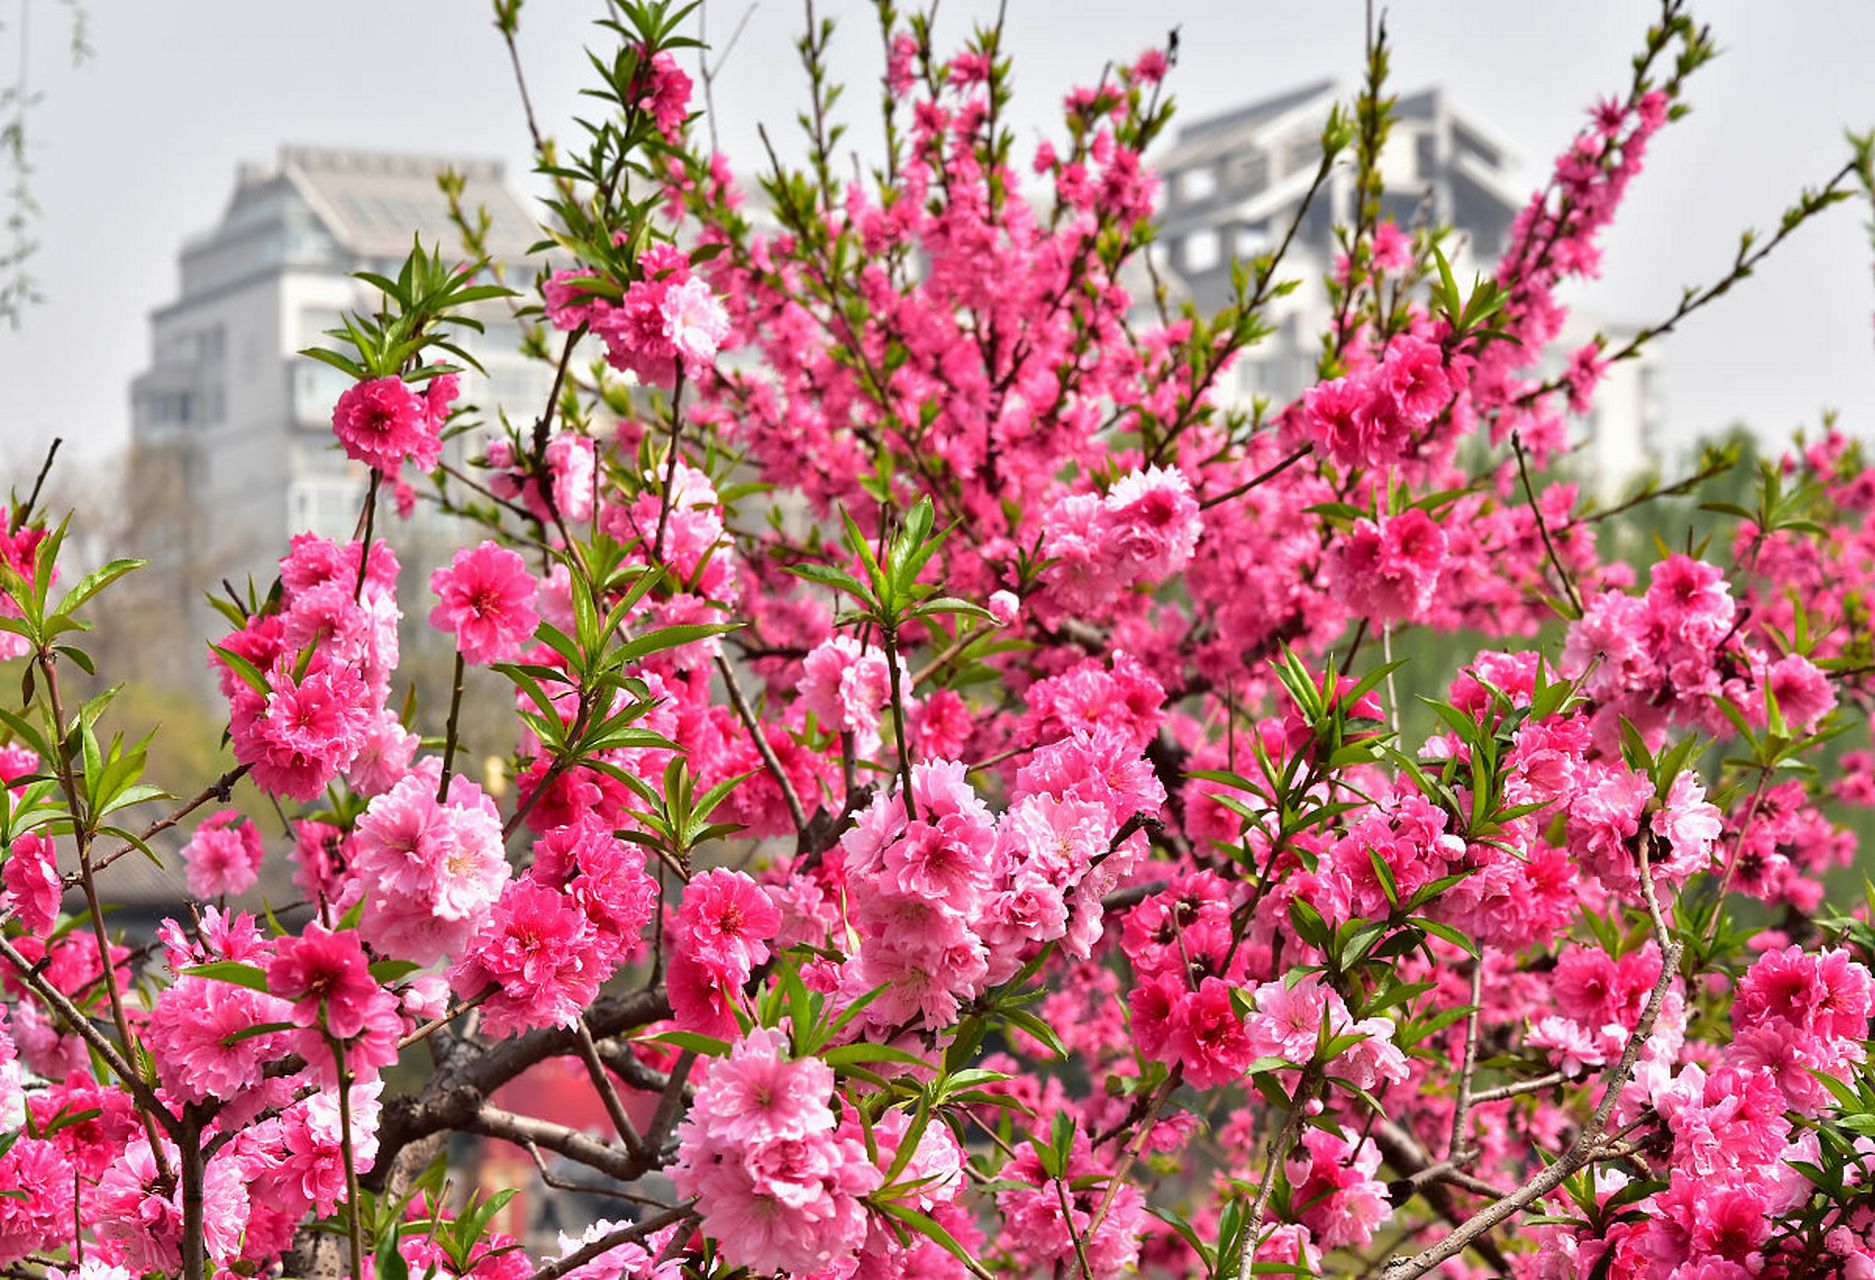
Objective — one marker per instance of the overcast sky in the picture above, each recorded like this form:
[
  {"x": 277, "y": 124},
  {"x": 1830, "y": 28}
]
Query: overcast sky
[{"x": 137, "y": 148}]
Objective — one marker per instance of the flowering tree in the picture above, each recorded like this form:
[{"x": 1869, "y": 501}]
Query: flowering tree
[{"x": 960, "y": 821}]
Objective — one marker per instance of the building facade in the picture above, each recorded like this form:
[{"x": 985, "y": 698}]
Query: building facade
[
  {"x": 235, "y": 425},
  {"x": 1233, "y": 184}
]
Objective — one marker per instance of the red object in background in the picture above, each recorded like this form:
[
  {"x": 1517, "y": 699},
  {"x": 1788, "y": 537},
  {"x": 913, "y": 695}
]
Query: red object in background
[{"x": 560, "y": 1091}]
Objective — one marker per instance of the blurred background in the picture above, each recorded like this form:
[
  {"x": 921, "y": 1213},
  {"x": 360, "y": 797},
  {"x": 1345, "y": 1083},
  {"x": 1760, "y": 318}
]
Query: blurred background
[{"x": 136, "y": 148}]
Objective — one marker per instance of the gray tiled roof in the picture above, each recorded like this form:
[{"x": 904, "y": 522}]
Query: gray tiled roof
[{"x": 372, "y": 202}]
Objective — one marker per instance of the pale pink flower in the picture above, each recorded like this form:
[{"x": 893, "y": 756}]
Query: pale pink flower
[
  {"x": 139, "y": 1212},
  {"x": 433, "y": 870},
  {"x": 385, "y": 756},
  {"x": 189, "y": 1037},
  {"x": 695, "y": 324},
  {"x": 759, "y": 1092},
  {"x": 223, "y": 856},
  {"x": 1690, "y": 824},
  {"x": 1335, "y": 1191}
]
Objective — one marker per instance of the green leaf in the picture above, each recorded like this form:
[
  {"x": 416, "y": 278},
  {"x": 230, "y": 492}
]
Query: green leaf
[
  {"x": 95, "y": 581},
  {"x": 672, "y": 638},
  {"x": 388, "y": 971},
  {"x": 242, "y": 975},
  {"x": 249, "y": 673},
  {"x": 863, "y": 1051},
  {"x": 932, "y": 1230},
  {"x": 708, "y": 1046},
  {"x": 1445, "y": 931}
]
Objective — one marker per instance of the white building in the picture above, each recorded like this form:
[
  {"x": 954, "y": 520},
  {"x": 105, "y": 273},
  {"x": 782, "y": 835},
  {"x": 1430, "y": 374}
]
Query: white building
[
  {"x": 1233, "y": 183},
  {"x": 235, "y": 423}
]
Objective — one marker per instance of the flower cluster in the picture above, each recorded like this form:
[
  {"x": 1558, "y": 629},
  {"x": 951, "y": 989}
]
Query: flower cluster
[
  {"x": 777, "y": 1180},
  {"x": 959, "y": 788},
  {"x": 666, "y": 323}
]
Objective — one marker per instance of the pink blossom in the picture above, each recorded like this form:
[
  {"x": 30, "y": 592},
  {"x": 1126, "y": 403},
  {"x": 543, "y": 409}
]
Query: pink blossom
[
  {"x": 695, "y": 324},
  {"x": 667, "y": 95},
  {"x": 785, "y": 1204},
  {"x": 1388, "y": 572},
  {"x": 303, "y": 733},
  {"x": 486, "y": 599},
  {"x": 1151, "y": 523},
  {"x": 382, "y": 423},
  {"x": 847, "y": 688},
  {"x": 36, "y": 1212},
  {"x": 759, "y": 1093},
  {"x": 34, "y": 887},
  {"x": 139, "y": 1212},
  {"x": 433, "y": 870},
  {"x": 542, "y": 955},
  {"x": 1690, "y": 824},
  {"x": 326, "y": 977},
  {"x": 223, "y": 856},
  {"x": 1802, "y": 692},
  {"x": 1335, "y": 1191},
  {"x": 188, "y": 1036},
  {"x": 726, "y": 920},
  {"x": 384, "y": 758}
]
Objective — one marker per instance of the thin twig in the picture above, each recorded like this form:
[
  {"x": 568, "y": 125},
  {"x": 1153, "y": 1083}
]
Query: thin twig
[
  {"x": 1263, "y": 478},
  {"x": 762, "y": 746},
  {"x": 1535, "y": 1085},
  {"x": 1461, "y": 1108},
  {"x": 602, "y": 1082},
  {"x": 612, "y": 1240},
  {"x": 24, "y": 513},
  {"x": 1580, "y": 1152},
  {"x": 1523, "y": 470}
]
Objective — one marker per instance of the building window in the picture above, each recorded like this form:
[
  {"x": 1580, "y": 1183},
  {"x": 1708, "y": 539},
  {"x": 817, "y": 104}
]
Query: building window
[
  {"x": 326, "y": 506},
  {"x": 1252, "y": 239},
  {"x": 1248, "y": 171},
  {"x": 315, "y": 322},
  {"x": 1302, "y": 153},
  {"x": 316, "y": 388},
  {"x": 1197, "y": 184},
  {"x": 1201, "y": 250}
]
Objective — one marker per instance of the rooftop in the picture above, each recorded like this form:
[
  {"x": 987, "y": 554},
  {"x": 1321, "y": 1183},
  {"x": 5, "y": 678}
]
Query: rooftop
[
  {"x": 373, "y": 202},
  {"x": 1307, "y": 106}
]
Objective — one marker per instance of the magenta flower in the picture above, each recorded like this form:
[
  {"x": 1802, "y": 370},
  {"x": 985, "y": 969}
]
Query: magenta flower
[
  {"x": 384, "y": 423},
  {"x": 726, "y": 920},
  {"x": 33, "y": 885},
  {"x": 543, "y": 955},
  {"x": 486, "y": 598},
  {"x": 304, "y": 733},
  {"x": 326, "y": 977}
]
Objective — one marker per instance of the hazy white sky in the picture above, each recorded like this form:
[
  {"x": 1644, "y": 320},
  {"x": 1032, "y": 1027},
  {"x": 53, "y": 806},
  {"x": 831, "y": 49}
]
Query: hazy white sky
[{"x": 137, "y": 148}]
